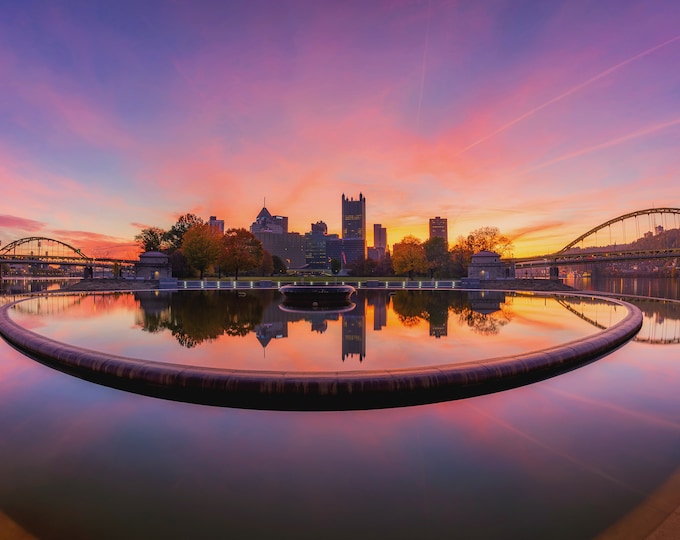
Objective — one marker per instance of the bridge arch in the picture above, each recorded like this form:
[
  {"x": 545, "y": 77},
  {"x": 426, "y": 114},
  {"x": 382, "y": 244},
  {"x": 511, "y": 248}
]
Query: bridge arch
[
  {"x": 23, "y": 247},
  {"x": 649, "y": 211}
]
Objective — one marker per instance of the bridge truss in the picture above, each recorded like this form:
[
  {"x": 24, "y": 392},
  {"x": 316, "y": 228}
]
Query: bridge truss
[
  {"x": 657, "y": 219},
  {"x": 40, "y": 250},
  {"x": 636, "y": 236}
]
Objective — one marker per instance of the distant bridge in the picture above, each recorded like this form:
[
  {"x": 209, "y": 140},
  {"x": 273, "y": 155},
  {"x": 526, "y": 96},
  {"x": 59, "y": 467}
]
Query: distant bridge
[
  {"x": 42, "y": 250},
  {"x": 620, "y": 234}
]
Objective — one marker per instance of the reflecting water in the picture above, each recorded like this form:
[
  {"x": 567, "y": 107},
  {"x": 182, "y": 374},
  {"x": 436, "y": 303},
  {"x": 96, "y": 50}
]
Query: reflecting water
[
  {"x": 640, "y": 286},
  {"x": 590, "y": 451},
  {"x": 661, "y": 324},
  {"x": 10, "y": 288},
  {"x": 253, "y": 330}
]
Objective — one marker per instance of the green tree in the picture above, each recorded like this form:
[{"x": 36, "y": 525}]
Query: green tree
[
  {"x": 150, "y": 239},
  {"x": 279, "y": 266},
  {"x": 438, "y": 257},
  {"x": 336, "y": 266},
  {"x": 363, "y": 267},
  {"x": 409, "y": 257},
  {"x": 241, "y": 251},
  {"x": 173, "y": 238},
  {"x": 201, "y": 246},
  {"x": 267, "y": 266}
]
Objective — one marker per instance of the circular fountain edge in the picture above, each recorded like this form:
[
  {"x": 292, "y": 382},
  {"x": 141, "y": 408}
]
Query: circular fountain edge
[{"x": 281, "y": 390}]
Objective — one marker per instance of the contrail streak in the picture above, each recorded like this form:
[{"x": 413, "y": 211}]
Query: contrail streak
[
  {"x": 613, "y": 142},
  {"x": 569, "y": 92},
  {"x": 422, "y": 73}
]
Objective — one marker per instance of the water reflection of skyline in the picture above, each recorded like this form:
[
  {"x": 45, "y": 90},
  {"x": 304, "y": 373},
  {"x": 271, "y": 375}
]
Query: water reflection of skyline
[
  {"x": 383, "y": 328},
  {"x": 483, "y": 312}
]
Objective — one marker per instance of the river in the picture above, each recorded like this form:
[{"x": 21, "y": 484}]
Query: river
[{"x": 594, "y": 452}]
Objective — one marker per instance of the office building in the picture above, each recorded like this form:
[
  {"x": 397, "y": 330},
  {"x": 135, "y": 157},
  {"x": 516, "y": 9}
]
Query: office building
[
  {"x": 353, "y": 229},
  {"x": 272, "y": 231},
  {"x": 315, "y": 247},
  {"x": 333, "y": 247},
  {"x": 439, "y": 228},
  {"x": 377, "y": 252},
  {"x": 216, "y": 224}
]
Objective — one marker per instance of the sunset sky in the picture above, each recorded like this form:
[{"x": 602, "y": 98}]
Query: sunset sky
[{"x": 542, "y": 118}]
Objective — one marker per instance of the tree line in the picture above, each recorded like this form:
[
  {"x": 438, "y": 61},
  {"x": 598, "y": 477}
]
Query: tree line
[
  {"x": 433, "y": 257},
  {"x": 193, "y": 246}
]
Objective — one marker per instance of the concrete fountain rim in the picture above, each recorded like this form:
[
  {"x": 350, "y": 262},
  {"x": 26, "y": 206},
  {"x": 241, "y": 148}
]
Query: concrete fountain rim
[{"x": 349, "y": 390}]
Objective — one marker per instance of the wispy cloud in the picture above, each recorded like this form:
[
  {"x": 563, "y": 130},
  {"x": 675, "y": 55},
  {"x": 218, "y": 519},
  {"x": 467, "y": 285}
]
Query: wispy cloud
[
  {"x": 649, "y": 130},
  {"x": 570, "y": 92}
]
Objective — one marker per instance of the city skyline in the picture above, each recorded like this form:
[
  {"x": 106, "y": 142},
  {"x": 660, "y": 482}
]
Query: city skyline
[{"x": 539, "y": 118}]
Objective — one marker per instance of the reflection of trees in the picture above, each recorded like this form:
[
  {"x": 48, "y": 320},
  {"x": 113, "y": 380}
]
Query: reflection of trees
[
  {"x": 486, "y": 312},
  {"x": 485, "y": 324},
  {"x": 433, "y": 306},
  {"x": 193, "y": 317},
  {"x": 409, "y": 307}
]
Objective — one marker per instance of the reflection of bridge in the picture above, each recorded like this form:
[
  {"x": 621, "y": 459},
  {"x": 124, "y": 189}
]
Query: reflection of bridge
[
  {"x": 663, "y": 330},
  {"x": 651, "y": 234},
  {"x": 38, "y": 250}
]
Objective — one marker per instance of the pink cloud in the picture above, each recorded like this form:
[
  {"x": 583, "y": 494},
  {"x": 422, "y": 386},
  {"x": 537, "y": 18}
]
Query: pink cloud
[{"x": 21, "y": 224}]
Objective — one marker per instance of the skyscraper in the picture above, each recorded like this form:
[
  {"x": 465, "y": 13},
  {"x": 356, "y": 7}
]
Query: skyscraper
[
  {"x": 379, "y": 242},
  {"x": 354, "y": 229},
  {"x": 439, "y": 228},
  {"x": 315, "y": 246},
  {"x": 272, "y": 231},
  {"x": 353, "y": 217}
]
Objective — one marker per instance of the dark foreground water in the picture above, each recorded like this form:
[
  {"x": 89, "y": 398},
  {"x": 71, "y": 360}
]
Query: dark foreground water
[{"x": 594, "y": 451}]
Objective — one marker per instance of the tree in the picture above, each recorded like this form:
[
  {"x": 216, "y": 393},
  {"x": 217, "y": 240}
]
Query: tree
[
  {"x": 241, "y": 251},
  {"x": 150, "y": 239},
  {"x": 487, "y": 239},
  {"x": 279, "y": 266},
  {"x": 437, "y": 253},
  {"x": 482, "y": 239},
  {"x": 336, "y": 266},
  {"x": 267, "y": 267},
  {"x": 460, "y": 258},
  {"x": 363, "y": 267},
  {"x": 201, "y": 246},
  {"x": 173, "y": 238},
  {"x": 409, "y": 257},
  {"x": 179, "y": 265}
]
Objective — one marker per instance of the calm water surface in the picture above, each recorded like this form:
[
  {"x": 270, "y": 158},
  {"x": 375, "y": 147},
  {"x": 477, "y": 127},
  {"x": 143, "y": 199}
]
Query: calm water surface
[
  {"x": 582, "y": 454},
  {"x": 253, "y": 330}
]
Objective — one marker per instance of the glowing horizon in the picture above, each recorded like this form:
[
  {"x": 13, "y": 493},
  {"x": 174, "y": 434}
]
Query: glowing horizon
[{"x": 540, "y": 119}]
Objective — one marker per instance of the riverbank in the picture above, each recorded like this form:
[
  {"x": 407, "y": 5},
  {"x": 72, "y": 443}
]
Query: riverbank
[{"x": 111, "y": 284}]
